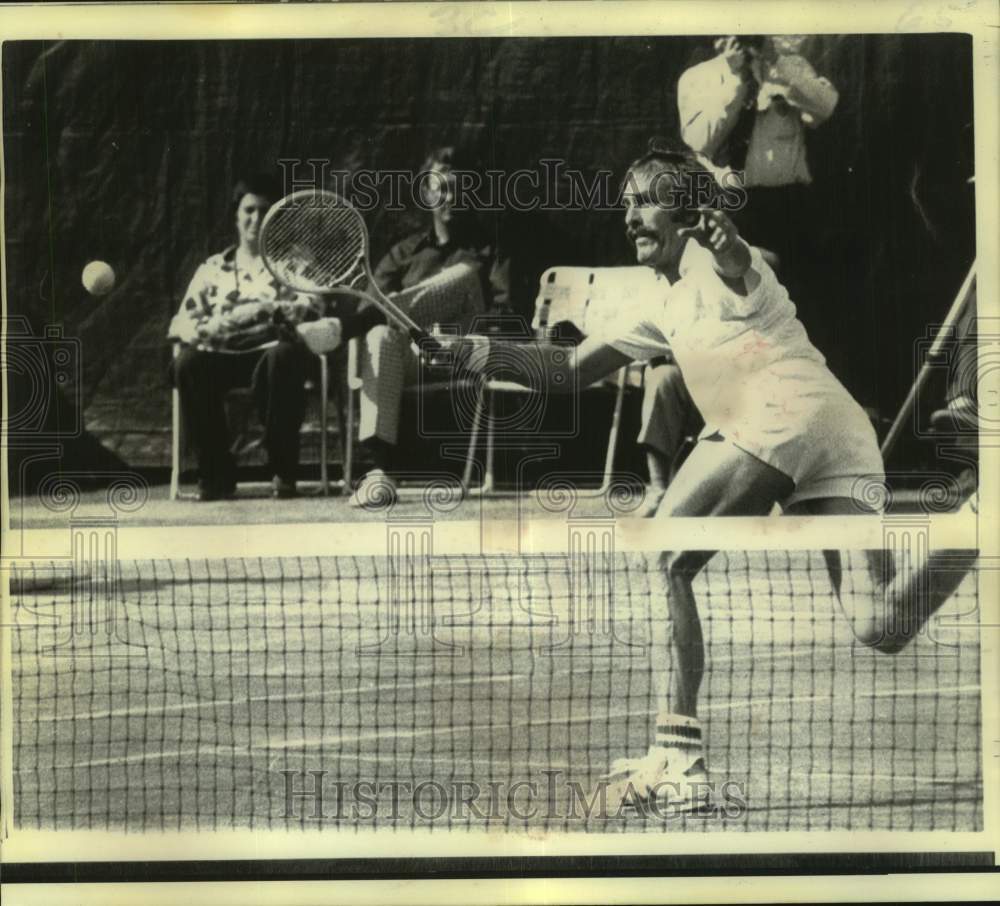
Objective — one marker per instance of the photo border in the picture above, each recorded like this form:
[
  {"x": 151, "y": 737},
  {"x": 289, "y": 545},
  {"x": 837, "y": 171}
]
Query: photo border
[{"x": 479, "y": 20}]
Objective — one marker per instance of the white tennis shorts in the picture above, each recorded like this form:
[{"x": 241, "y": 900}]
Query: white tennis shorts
[{"x": 797, "y": 417}]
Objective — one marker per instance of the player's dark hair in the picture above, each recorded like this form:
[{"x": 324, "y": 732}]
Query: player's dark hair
[
  {"x": 263, "y": 184},
  {"x": 661, "y": 156},
  {"x": 665, "y": 157}
]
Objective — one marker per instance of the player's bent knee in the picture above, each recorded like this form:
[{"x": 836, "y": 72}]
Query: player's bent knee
[
  {"x": 875, "y": 634},
  {"x": 682, "y": 566},
  {"x": 867, "y": 632},
  {"x": 667, "y": 561},
  {"x": 884, "y": 642}
]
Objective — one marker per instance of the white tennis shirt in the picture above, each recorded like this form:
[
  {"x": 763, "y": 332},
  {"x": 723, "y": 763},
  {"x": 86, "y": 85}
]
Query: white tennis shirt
[{"x": 753, "y": 373}]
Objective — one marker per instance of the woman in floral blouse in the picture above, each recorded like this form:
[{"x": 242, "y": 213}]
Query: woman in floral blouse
[{"x": 236, "y": 327}]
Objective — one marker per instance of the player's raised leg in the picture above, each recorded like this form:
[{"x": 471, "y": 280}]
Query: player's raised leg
[{"x": 890, "y": 601}]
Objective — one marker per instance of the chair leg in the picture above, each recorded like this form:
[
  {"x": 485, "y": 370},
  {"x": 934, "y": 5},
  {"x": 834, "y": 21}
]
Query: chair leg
[
  {"x": 324, "y": 478},
  {"x": 477, "y": 418},
  {"x": 347, "y": 432},
  {"x": 175, "y": 444},
  {"x": 353, "y": 385},
  {"x": 488, "y": 482},
  {"x": 616, "y": 422}
]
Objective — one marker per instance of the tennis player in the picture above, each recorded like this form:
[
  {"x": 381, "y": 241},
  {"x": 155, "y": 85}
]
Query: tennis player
[{"x": 779, "y": 429}]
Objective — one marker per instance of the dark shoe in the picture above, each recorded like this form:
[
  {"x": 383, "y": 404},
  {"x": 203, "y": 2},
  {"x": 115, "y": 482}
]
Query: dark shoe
[
  {"x": 282, "y": 489},
  {"x": 958, "y": 417},
  {"x": 209, "y": 491}
]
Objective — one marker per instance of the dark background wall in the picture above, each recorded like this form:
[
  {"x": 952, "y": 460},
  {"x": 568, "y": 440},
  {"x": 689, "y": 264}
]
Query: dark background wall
[{"x": 126, "y": 151}]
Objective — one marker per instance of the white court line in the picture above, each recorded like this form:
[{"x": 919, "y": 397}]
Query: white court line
[
  {"x": 562, "y": 766},
  {"x": 312, "y": 742},
  {"x": 473, "y": 761},
  {"x": 902, "y": 775},
  {"x": 143, "y": 756},
  {"x": 148, "y": 710},
  {"x": 223, "y": 703},
  {"x": 436, "y": 762},
  {"x": 886, "y": 693}
]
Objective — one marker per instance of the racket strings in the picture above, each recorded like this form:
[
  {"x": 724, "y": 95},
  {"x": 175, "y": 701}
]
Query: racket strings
[{"x": 315, "y": 244}]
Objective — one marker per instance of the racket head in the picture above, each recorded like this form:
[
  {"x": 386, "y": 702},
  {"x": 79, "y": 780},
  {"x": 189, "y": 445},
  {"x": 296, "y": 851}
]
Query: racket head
[{"x": 315, "y": 241}]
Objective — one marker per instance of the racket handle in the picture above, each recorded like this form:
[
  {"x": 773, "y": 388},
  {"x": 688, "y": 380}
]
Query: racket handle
[
  {"x": 423, "y": 340},
  {"x": 427, "y": 347}
]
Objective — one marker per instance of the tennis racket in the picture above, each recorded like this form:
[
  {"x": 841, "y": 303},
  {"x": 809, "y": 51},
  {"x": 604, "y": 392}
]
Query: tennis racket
[{"x": 314, "y": 241}]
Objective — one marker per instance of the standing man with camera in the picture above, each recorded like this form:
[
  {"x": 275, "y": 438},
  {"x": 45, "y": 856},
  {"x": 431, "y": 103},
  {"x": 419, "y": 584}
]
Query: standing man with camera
[{"x": 746, "y": 109}]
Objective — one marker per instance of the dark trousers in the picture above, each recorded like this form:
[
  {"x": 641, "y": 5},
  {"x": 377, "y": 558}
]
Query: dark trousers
[{"x": 275, "y": 376}]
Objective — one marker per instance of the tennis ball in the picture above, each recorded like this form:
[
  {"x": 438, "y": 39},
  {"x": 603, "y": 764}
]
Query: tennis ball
[{"x": 98, "y": 278}]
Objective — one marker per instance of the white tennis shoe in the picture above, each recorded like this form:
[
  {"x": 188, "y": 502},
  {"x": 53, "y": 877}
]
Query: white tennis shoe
[
  {"x": 376, "y": 491},
  {"x": 662, "y": 779}
]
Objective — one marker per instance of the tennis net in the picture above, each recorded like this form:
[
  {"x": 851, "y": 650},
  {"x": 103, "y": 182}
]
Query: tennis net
[{"x": 470, "y": 692}]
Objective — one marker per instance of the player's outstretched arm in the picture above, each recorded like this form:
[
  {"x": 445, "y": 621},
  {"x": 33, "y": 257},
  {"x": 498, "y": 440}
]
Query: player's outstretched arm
[
  {"x": 539, "y": 363},
  {"x": 594, "y": 360},
  {"x": 716, "y": 232}
]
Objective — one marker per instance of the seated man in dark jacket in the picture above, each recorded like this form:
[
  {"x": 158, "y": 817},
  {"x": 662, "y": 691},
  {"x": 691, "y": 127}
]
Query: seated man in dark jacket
[{"x": 387, "y": 361}]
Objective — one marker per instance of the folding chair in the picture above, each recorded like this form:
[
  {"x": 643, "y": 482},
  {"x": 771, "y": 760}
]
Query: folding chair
[
  {"x": 176, "y": 439},
  {"x": 583, "y": 296}
]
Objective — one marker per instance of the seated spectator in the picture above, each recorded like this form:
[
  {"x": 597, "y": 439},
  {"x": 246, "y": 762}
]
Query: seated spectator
[
  {"x": 387, "y": 359},
  {"x": 236, "y": 329}
]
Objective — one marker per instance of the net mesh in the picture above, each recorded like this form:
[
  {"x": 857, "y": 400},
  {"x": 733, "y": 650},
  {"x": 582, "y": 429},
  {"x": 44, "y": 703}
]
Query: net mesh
[
  {"x": 314, "y": 241},
  {"x": 472, "y": 692}
]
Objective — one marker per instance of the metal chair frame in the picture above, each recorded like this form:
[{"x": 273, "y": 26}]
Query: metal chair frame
[{"x": 572, "y": 293}]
